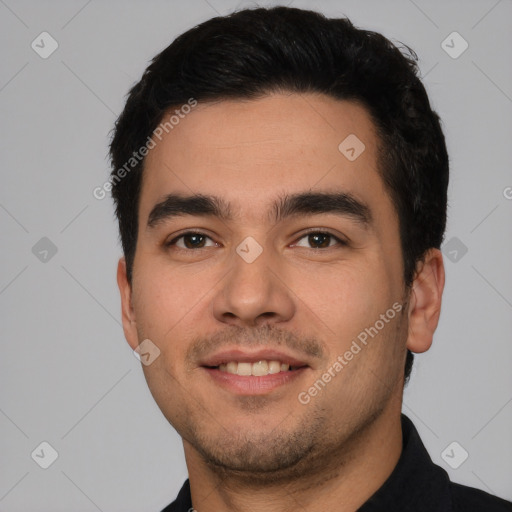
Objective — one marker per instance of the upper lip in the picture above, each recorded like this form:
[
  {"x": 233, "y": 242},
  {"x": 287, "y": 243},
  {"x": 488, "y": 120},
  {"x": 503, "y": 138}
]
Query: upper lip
[{"x": 225, "y": 356}]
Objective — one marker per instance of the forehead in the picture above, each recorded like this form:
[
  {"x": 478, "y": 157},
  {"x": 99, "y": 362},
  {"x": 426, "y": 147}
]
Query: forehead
[{"x": 249, "y": 151}]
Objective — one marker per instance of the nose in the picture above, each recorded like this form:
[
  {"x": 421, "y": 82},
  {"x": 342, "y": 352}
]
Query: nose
[{"x": 254, "y": 293}]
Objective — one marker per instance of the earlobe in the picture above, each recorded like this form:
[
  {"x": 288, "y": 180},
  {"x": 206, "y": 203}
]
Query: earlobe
[
  {"x": 127, "y": 311},
  {"x": 425, "y": 303}
]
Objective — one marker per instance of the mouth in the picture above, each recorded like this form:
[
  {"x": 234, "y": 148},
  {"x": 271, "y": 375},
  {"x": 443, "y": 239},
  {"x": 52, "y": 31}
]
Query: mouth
[
  {"x": 257, "y": 369},
  {"x": 253, "y": 374}
]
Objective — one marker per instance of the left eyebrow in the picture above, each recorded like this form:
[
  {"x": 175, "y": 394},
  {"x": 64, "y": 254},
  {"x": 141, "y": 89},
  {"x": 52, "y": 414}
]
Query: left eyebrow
[
  {"x": 301, "y": 204},
  {"x": 309, "y": 203}
]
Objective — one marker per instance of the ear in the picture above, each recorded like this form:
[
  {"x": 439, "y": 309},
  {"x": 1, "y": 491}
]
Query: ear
[
  {"x": 128, "y": 314},
  {"x": 425, "y": 303}
]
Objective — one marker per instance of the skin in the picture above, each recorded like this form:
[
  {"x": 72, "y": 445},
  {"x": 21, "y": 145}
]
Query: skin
[{"x": 254, "y": 452}]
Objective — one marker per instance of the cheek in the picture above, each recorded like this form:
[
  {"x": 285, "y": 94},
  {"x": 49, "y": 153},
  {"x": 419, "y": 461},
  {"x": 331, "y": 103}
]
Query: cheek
[
  {"x": 168, "y": 302},
  {"x": 344, "y": 299},
  {"x": 157, "y": 304}
]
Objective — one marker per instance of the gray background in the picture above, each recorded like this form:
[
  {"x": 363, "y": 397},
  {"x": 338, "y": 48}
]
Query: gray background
[{"x": 67, "y": 375}]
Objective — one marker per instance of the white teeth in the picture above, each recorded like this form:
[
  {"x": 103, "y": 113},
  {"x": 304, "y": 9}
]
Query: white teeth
[
  {"x": 259, "y": 369},
  {"x": 244, "y": 368},
  {"x": 232, "y": 367},
  {"x": 274, "y": 367}
]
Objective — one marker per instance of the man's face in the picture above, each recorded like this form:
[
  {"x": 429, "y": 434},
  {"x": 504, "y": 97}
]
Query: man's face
[{"x": 294, "y": 284}]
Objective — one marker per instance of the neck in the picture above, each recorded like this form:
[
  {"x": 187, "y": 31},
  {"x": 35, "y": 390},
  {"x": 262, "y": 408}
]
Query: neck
[{"x": 344, "y": 481}]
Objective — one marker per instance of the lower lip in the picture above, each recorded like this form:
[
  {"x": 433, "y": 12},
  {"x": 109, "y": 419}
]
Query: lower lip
[{"x": 251, "y": 384}]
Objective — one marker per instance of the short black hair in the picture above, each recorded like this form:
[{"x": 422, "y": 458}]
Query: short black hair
[{"x": 254, "y": 52}]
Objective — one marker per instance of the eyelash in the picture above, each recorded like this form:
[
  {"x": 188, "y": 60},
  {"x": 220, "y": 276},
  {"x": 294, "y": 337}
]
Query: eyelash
[{"x": 340, "y": 242}]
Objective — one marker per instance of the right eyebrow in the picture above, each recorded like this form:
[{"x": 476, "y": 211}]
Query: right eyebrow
[{"x": 175, "y": 205}]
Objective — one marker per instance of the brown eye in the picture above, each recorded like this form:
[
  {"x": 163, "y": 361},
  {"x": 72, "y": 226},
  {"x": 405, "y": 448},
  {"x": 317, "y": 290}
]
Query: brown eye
[
  {"x": 190, "y": 240},
  {"x": 320, "y": 240}
]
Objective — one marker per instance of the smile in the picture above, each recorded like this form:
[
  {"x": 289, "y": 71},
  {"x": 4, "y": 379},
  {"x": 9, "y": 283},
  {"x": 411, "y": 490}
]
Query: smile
[{"x": 257, "y": 369}]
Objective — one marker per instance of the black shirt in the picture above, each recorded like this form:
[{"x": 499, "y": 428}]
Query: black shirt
[{"x": 416, "y": 485}]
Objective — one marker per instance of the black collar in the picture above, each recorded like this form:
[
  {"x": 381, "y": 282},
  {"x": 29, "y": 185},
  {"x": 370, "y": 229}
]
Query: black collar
[{"x": 416, "y": 483}]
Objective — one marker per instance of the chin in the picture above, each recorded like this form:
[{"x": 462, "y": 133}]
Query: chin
[{"x": 260, "y": 455}]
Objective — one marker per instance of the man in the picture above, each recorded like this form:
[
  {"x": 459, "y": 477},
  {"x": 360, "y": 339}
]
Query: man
[{"x": 280, "y": 182}]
